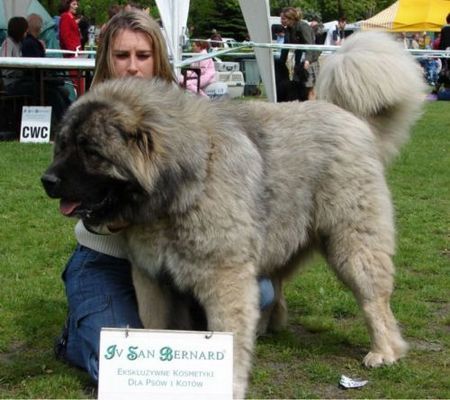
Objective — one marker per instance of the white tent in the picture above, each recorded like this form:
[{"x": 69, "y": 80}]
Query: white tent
[
  {"x": 256, "y": 14},
  {"x": 174, "y": 14}
]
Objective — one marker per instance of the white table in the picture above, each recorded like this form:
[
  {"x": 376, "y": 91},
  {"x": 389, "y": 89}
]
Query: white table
[{"x": 45, "y": 64}]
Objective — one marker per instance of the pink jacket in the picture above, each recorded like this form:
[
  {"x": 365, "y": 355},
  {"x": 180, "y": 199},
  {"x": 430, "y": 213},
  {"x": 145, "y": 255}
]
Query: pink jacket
[{"x": 207, "y": 75}]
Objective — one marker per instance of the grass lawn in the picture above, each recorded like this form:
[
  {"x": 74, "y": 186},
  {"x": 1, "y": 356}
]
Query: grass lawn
[{"x": 325, "y": 337}]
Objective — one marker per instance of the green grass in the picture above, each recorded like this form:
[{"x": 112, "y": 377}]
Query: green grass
[{"x": 325, "y": 336}]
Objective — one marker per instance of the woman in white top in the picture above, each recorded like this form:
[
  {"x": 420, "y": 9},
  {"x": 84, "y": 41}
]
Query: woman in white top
[{"x": 97, "y": 277}]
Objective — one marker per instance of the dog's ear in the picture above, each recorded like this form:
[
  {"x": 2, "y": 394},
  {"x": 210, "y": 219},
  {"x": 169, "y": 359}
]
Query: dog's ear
[
  {"x": 141, "y": 139},
  {"x": 140, "y": 146}
]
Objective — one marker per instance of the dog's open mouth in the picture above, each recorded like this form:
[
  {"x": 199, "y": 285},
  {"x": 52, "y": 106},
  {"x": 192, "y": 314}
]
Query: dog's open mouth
[
  {"x": 68, "y": 208},
  {"x": 80, "y": 209}
]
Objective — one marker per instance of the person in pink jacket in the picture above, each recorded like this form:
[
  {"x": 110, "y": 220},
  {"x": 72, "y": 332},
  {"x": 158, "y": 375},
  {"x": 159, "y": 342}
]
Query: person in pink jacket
[{"x": 207, "y": 70}]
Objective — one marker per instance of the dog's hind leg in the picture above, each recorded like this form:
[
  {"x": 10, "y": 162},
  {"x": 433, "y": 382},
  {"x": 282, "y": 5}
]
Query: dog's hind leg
[
  {"x": 355, "y": 225},
  {"x": 358, "y": 257}
]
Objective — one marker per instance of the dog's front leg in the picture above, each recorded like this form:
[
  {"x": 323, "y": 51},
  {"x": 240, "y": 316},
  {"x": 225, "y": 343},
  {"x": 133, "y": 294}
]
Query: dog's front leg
[
  {"x": 230, "y": 298},
  {"x": 153, "y": 301}
]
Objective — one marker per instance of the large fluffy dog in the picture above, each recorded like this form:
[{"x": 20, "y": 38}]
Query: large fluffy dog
[{"x": 217, "y": 193}]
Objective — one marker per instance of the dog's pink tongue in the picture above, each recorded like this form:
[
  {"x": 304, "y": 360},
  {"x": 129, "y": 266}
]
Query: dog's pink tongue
[{"x": 68, "y": 207}]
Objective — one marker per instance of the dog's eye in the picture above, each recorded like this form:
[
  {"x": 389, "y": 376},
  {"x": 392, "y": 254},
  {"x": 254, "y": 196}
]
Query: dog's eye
[
  {"x": 88, "y": 149},
  {"x": 92, "y": 153}
]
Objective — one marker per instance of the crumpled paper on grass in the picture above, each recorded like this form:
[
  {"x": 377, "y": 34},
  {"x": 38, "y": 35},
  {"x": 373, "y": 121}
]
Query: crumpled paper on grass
[{"x": 350, "y": 383}]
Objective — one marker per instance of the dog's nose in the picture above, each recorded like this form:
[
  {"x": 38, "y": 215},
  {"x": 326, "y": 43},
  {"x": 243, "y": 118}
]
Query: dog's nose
[{"x": 51, "y": 184}]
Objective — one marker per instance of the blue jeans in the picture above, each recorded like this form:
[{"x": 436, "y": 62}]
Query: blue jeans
[{"x": 100, "y": 293}]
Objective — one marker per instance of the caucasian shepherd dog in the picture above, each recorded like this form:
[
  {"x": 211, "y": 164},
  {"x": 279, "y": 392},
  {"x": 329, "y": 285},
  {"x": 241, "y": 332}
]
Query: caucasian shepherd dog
[{"x": 215, "y": 194}]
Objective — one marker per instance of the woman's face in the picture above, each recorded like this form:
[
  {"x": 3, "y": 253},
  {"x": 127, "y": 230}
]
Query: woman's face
[
  {"x": 285, "y": 21},
  {"x": 132, "y": 55},
  {"x": 73, "y": 7}
]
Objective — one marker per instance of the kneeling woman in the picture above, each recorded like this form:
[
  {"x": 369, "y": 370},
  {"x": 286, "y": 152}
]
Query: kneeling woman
[{"x": 97, "y": 277}]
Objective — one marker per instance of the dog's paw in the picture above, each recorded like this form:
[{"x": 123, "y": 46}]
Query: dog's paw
[{"x": 373, "y": 360}]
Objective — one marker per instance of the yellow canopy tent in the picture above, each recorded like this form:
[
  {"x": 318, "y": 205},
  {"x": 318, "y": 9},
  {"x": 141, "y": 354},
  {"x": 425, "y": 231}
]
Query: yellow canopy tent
[{"x": 410, "y": 16}]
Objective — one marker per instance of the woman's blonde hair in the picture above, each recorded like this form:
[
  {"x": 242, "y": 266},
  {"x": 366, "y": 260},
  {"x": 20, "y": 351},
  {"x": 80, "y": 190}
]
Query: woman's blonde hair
[
  {"x": 136, "y": 21},
  {"x": 291, "y": 13}
]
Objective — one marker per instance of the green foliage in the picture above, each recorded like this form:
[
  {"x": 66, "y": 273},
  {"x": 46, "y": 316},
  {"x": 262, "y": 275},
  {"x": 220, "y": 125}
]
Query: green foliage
[
  {"x": 95, "y": 10},
  {"x": 325, "y": 336},
  {"x": 226, "y": 16}
]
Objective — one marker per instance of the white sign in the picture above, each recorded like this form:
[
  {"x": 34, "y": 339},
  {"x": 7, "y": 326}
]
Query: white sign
[
  {"x": 36, "y": 123},
  {"x": 147, "y": 364}
]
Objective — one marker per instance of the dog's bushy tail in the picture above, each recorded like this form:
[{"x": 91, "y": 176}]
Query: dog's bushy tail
[{"x": 373, "y": 77}]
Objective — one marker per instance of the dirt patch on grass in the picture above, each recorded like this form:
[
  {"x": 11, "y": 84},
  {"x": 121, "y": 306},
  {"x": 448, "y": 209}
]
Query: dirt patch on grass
[
  {"x": 13, "y": 351},
  {"x": 423, "y": 345}
]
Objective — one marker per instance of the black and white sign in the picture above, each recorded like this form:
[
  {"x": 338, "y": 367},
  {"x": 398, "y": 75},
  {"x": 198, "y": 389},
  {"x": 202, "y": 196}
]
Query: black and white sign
[{"x": 36, "y": 124}]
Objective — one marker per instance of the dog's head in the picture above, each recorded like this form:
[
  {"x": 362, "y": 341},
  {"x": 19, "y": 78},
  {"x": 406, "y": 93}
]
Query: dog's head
[{"x": 114, "y": 153}]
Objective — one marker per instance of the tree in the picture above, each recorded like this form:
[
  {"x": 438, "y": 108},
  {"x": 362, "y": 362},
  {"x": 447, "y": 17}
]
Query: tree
[
  {"x": 200, "y": 14},
  {"x": 226, "y": 15},
  {"x": 354, "y": 10},
  {"x": 95, "y": 10},
  {"x": 51, "y": 6}
]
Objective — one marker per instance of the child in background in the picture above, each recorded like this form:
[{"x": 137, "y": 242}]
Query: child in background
[{"x": 207, "y": 70}]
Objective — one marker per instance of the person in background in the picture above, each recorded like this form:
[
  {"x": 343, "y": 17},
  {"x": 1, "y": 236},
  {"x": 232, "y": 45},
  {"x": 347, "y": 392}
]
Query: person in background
[
  {"x": 70, "y": 37},
  {"x": 444, "y": 42},
  {"x": 299, "y": 32},
  {"x": 130, "y": 6},
  {"x": 207, "y": 70},
  {"x": 443, "y": 84},
  {"x": 69, "y": 33},
  {"x": 339, "y": 32},
  {"x": 318, "y": 29},
  {"x": 113, "y": 9},
  {"x": 12, "y": 47},
  {"x": 403, "y": 39},
  {"x": 414, "y": 43},
  {"x": 279, "y": 34},
  {"x": 55, "y": 93},
  {"x": 83, "y": 26},
  {"x": 216, "y": 39},
  {"x": 97, "y": 277},
  {"x": 31, "y": 45}
]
